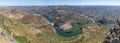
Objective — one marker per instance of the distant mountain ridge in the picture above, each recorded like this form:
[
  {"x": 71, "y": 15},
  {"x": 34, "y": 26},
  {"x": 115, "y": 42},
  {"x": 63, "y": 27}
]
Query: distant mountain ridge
[{"x": 108, "y": 13}]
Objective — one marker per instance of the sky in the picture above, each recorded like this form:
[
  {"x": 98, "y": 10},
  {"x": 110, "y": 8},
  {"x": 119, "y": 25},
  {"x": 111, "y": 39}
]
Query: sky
[{"x": 57, "y": 2}]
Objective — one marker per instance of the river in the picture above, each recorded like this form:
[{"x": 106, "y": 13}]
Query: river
[{"x": 76, "y": 32}]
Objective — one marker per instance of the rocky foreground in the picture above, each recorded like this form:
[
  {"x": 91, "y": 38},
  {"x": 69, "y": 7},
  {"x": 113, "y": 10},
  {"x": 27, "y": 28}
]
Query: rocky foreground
[
  {"x": 5, "y": 37},
  {"x": 114, "y": 35}
]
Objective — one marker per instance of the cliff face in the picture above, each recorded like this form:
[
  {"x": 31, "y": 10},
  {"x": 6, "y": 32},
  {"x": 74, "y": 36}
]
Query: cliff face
[{"x": 114, "y": 35}]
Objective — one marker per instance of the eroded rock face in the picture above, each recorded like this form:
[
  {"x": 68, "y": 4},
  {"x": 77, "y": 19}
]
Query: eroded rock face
[
  {"x": 66, "y": 26},
  {"x": 118, "y": 21},
  {"x": 114, "y": 35}
]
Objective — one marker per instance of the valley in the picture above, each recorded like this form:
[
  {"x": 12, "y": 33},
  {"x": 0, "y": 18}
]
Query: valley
[{"x": 59, "y": 24}]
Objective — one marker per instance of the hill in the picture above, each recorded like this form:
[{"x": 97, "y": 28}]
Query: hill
[{"x": 31, "y": 24}]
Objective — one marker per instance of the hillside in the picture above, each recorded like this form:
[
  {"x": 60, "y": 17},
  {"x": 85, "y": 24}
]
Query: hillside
[
  {"x": 21, "y": 25},
  {"x": 106, "y": 14},
  {"x": 70, "y": 24}
]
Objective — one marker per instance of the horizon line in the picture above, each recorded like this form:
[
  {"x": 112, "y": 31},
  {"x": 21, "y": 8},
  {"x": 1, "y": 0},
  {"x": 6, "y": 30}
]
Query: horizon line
[{"x": 58, "y": 5}]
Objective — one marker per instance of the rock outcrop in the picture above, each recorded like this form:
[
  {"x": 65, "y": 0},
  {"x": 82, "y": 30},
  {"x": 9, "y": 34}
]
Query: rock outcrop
[
  {"x": 66, "y": 26},
  {"x": 114, "y": 35}
]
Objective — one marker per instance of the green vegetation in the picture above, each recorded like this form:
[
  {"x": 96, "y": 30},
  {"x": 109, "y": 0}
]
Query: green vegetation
[
  {"x": 21, "y": 39},
  {"x": 6, "y": 28},
  {"x": 73, "y": 29},
  {"x": 29, "y": 29},
  {"x": 94, "y": 36},
  {"x": 25, "y": 22},
  {"x": 2, "y": 19},
  {"x": 54, "y": 37},
  {"x": 39, "y": 35}
]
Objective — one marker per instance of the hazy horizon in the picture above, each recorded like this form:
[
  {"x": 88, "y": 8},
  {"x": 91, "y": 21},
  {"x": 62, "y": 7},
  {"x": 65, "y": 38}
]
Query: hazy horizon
[{"x": 58, "y": 2}]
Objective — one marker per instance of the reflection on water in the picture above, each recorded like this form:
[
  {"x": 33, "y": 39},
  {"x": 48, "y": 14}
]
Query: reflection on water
[
  {"x": 48, "y": 18},
  {"x": 78, "y": 30}
]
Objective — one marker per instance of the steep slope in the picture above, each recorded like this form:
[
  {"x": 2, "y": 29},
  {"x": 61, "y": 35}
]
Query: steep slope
[
  {"x": 19, "y": 28},
  {"x": 114, "y": 34}
]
